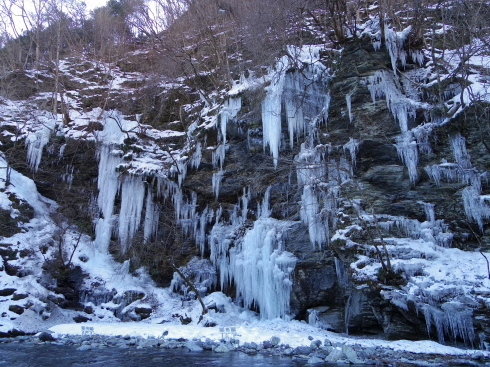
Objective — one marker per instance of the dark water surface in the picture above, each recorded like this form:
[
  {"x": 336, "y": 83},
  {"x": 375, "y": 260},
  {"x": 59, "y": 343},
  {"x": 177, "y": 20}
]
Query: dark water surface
[{"x": 28, "y": 355}]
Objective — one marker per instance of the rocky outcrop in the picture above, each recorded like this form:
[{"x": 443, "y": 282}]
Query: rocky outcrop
[{"x": 340, "y": 200}]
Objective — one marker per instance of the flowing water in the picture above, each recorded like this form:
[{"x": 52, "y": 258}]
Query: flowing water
[{"x": 29, "y": 355}]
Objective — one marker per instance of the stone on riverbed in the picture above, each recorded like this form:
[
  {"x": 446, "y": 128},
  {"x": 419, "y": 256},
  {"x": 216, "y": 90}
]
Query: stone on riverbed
[
  {"x": 193, "y": 347},
  {"x": 222, "y": 348}
]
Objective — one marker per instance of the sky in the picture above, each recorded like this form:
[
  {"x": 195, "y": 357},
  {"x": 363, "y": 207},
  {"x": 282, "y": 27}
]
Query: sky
[{"x": 92, "y": 4}]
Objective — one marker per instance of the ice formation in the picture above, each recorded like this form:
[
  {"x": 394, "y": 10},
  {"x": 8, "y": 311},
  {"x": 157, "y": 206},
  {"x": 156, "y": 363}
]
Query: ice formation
[
  {"x": 68, "y": 175},
  {"x": 229, "y": 111},
  {"x": 132, "y": 201},
  {"x": 394, "y": 44},
  {"x": 256, "y": 264},
  {"x": 152, "y": 213},
  {"x": 433, "y": 230},
  {"x": 107, "y": 184},
  {"x": 320, "y": 180},
  {"x": 382, "y": 83},
  {"x": 261, "y": 269},
  {"x": 216, "y": 182},
  {"x": 302, "y": 98},
  {"x": 475, "y": 204},
  {"x": 407, "y": 150},
  {"x": 35, "y": 144},
  {"x": 352, "y": 146},
  {"x": 271, "y": 117},
  {"x": 453, "y": 319},
  {"x": 348, "y": 102}
]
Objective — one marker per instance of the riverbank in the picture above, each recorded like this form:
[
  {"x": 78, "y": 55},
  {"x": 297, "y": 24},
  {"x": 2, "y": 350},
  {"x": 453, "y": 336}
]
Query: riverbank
[{"x": 296, "y": 340}]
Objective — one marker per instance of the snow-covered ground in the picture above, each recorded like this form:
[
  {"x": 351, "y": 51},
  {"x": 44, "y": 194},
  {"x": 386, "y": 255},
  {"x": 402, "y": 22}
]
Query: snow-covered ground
[{"x": 293, "y": 333}]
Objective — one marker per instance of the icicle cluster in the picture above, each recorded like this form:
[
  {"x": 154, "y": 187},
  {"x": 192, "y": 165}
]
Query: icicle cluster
[
  {"x": 229, "y": 110},
  {"x": 452, "y": 320},
  {"x": 476, "y": 205},
  {"x": 108, "y": 185},
  {"x": 407, "y": 150},
  {"x": 432, "y": 230},
  {"x": 382, "y": 83},
  {"x": 255, "y": 263},
  {"x": 132, "y": 191},
  {"x": 300, "y": 97},
  {"x": 132, "y": 201},
  {"x": 320, "y": 181},
  {"x": 394, "y": 44},
  {"x": 352, "y": 146},
  {"x": 261, "y": 269},
  {"x": 35, "y": 144}
]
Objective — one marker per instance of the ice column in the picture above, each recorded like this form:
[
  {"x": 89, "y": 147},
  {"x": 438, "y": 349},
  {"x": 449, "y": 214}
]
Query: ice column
[
  {"x": 394, "y": 44},
  {"x": 407, "y": 150},
  {"x": 151, "y": 216},
  {"x": 108, "y": 185},
  {"x": 132, "y": 200},
  {"x": 262, "y": 270},
  {"x": 312, "y": 177},
  {"x": 271, "y": 116},
  {"x": 35, "y": 144}
]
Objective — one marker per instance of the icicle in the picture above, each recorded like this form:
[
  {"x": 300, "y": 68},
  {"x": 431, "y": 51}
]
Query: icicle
[
  {"x": 394, "y": 44},
  {"x": 352, "y": 146},
  {"x": 108, "y": 184},
  {"x": 295, "y": 119},
  {"x": 219, "y": 156},
  {"x": 310, "y": 168},
  {"x": 150, "y": 227},
  {"x": 408, "y": 153},
  {"x": 475, "y": 206},
  {"x": 261, "y": 269},
  {"x": 182, "y": 171},
  {"x": 376, "y": 39},
  {"x": 264, "y": 209},
  {"x": 318, "y": 200},
  {"x": 382, "y": 83},
  {"x": 216, "y": 182},
  {"x": 62, "y": 151},
  {"x": 35, "y": 144},
  {"x": 461, "y": 156},
  {"x": 200, "y": 235},
  {"x": 348, "y": 102},
  {"x": 132, "y": 200},
  {"x": 422, "y": 134},
  {"x": 326, "y": 108},
  {"x": 310, "y": 214},
  {"x": 196, "y": 158},
  {"x": 342, "y": 274},
  {"x": 433, "y": 230},
  {"x": 417, "y": 57},
  {"x": 67, "y": 177},
  {"x": 230, "y": 109},
  {"x": 271, "y": 117},
  {"x": 245, "y": 200},
  {"x": 429, "y": 212},
  {"x": 453, "y": 320}
]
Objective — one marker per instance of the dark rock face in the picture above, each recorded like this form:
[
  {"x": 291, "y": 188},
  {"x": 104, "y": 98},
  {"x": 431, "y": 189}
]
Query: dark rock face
[
  {"x": 46, "y": 337},
  {"x": 7, "y": 292},
  {"x": 19, "y": 310},
  {"x": 80, "y": 319}
]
